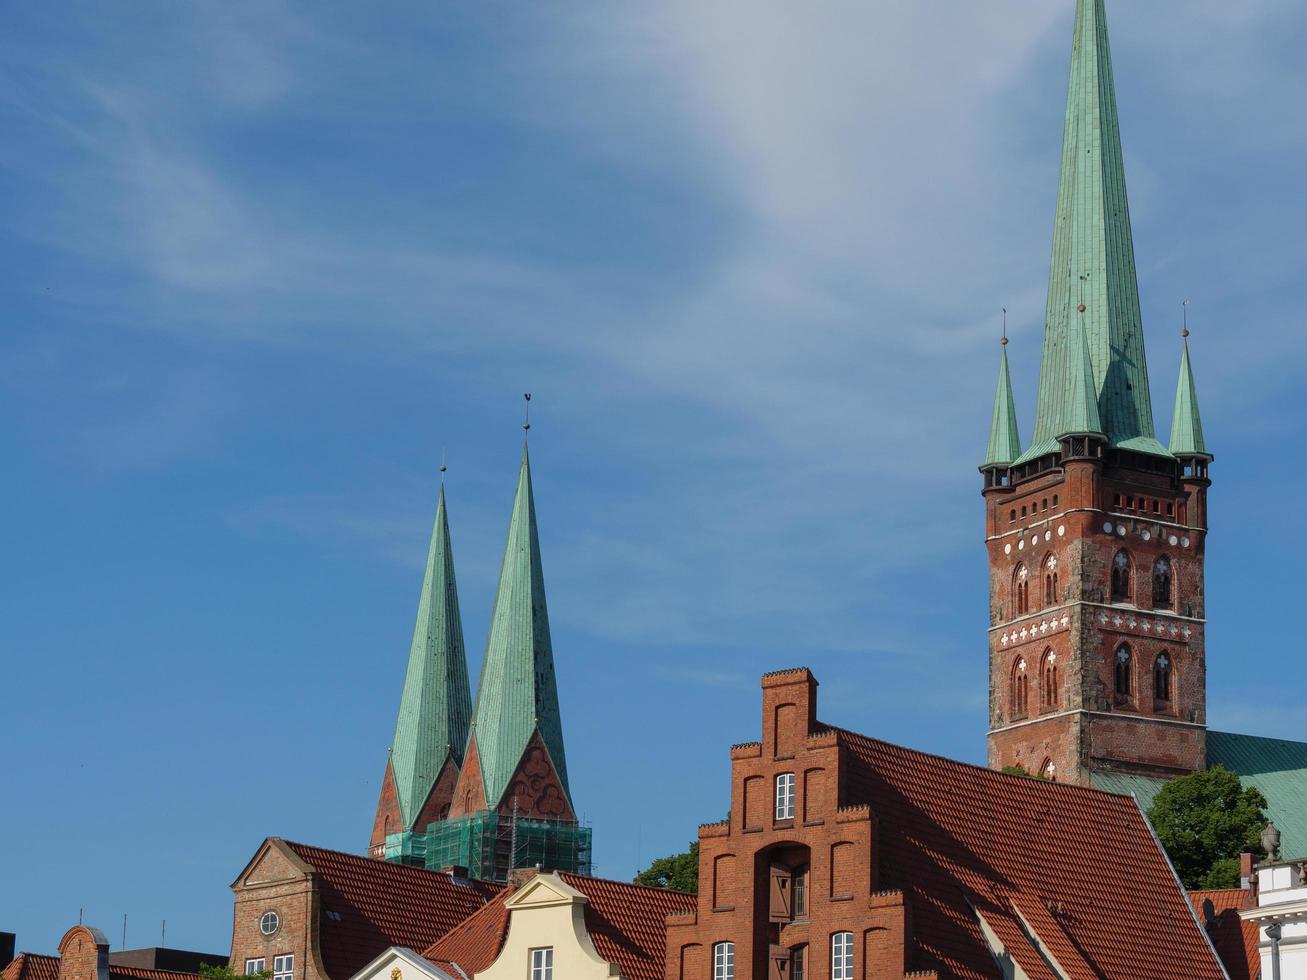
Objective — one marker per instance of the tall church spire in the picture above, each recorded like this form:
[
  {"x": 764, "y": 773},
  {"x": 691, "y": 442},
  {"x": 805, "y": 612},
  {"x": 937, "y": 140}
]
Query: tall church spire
[
  {"x": 435, "y": 706},
  {"x": 517, "y": 697},
  {"x": 1093, "y": 264},
  {"x": 1004, "y": 439},
  {"x": 1186, "y": 423}
]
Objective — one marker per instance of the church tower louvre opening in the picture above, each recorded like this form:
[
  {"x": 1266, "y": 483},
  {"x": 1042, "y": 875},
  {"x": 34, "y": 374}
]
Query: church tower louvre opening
[
  {"x": 504, "y": 801},
  {"x": 1095, "y": 531}
]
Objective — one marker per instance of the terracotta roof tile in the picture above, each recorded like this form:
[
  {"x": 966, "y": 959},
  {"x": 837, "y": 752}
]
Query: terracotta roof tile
[
  {"x": 32, "y": 966},
  {"x": 141, "y": 973},
  {"x": 369, "y": 906},
  {"x": 1235, "y": 940},
  {"x": 1080, "y": 866},
  {"x": 626, "y": 922}
]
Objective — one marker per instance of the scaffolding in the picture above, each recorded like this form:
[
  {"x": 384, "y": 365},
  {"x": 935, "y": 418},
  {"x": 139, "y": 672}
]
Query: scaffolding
[{"x": 491, "y": 844}]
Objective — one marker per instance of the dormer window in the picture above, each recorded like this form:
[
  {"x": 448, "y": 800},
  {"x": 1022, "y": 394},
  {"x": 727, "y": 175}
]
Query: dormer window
[{"x": 785, "y": 796}]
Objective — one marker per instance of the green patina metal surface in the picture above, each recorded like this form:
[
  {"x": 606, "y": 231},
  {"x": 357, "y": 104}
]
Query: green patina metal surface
[
  {"x": 1276, "y": 767},
  {"x": 1004, "y": 439},
  {"x": 517, "y": 692},
  {"x": 1093, "y": 263},
  {"x": 436, "y": 706},
  {"x": 1186, "y": 423}
]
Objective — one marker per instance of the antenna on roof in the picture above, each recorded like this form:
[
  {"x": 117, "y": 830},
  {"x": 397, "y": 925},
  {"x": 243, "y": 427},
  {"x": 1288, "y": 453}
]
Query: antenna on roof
[
  {"x": 124, "y": 945},
  {"x": 1184, "y": 307},
  {"x": 1004, "y": 340},
  {"x": 163, "y": 932}
]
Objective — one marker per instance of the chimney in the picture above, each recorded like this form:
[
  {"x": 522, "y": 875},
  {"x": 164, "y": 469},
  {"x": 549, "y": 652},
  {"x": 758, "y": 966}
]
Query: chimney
[
  {"x": 8, "y": 942},
  {"x": 1246, "y": 879},
  {"x": 520, "y": 876}
]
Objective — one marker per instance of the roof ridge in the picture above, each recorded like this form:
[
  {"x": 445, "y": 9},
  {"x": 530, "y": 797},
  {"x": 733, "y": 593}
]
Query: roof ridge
[
  {"x": 627, "y": 884},
  {"x": 393, "y": 867},
  {"x": 996, "y": 773}
]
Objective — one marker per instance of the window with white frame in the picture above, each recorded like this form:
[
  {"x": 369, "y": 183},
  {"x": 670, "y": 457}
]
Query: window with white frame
[
  {"x": 542, "y": 963},
  {"x": 723, "y": 961},
  {"x": 283, "y": 967},
  {"x": 841, "y": 956},
  {"x": 254, "y": 966},
  {"x": 785, "y": 796}
]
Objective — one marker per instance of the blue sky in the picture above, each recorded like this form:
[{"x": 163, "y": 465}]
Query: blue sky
[{"x": 262, "y": 263}]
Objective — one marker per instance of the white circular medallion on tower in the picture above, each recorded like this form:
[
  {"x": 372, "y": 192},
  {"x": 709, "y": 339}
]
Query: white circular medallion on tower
[
  {"x": 1145, "y": 535},
  {"x": 1184, "y": 542},
  {"x": 1171, "y": 540},
  {"x": 1061, "y": 530},
  {"x": 1107, "y": 527},
  {"x": 1007, "y": 549}
]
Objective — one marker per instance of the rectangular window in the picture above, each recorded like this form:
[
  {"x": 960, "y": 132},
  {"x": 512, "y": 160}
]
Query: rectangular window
[
  {"x": 841, "y": 956},
  {"x": 283, "y": 967},
  {"x": 798, "y": 963},
  {"x": 542, "y": 963},
  {"x": 254, "y": 966},
  {"x": 785, "y": 796},
  {"x": 723, "y": 961}
]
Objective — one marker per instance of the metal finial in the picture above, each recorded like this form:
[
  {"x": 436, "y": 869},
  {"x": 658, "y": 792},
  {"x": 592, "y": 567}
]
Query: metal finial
[
  {"x": 1004, "y": 340},
  {"x": 526, "y": 426},
  {"x": 1184, "y": 307},
  {"x": 443, "y": 467}
]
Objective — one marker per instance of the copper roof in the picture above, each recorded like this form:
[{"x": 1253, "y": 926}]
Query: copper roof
[
  {"x": 368, "y": 906},
  {"x": 1075, "y": 867},
  {"x": 626, "y": 922}
]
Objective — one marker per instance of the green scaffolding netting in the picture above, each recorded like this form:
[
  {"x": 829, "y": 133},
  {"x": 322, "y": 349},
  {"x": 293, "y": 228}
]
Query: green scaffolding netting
[{"x": 489, "y": 845}]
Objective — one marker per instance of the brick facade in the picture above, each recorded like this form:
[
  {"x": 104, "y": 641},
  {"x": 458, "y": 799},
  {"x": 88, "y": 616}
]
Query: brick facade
[
  {"x": 772, "y": 884},
  {"x": 277, "y": 881},
  {"x": 1074, "y": 542}
]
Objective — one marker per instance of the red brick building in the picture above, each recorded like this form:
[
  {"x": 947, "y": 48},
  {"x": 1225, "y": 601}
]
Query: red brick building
[
  {"x": 845, "y": 857},
  {"x": 1096, "y": 532},
  {"x": 307, "y": 913}
]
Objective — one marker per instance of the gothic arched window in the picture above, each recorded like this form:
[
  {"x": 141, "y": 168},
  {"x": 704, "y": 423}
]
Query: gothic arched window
[
  {"x": 1162, "y": 583},
  {"x": 1050, "y": 580},
  {"x": 1121, "y": 577},
  {"x": 1048, "y": 680},
  {"x": 1162, "y": 678},
  {"x": 1020, "y": 689},
  {"x": 1048, "y": 771},
  {"x": 1021, "y": 590},
  {"x": 1123, "y": 670}
]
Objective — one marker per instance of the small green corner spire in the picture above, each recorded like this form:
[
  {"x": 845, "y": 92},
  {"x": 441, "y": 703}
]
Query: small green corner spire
[
  {"x": 1080, "y": 410},
  {"x": 1004, "y": 439},
  {"x": 436, "y": 705},
  {"x": 518, "y": 694},
  {"x": 1186, "y": 423},
  {"x": 1093, "y": 286}
]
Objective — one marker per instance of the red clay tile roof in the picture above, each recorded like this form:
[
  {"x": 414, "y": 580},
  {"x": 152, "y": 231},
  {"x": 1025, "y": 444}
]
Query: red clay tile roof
[
  {"x": 32, "y": 966},
  {"x": 1235, "y": 940},
  {"x": 141, "y": 973},
  {"x": 626, "y": 922},
  {"x": 1078, "y": 867},
  {"x": 370, "y": 905}
]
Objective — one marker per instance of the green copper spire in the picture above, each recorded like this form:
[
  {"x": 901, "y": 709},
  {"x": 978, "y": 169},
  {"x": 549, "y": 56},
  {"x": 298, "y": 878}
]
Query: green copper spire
[
  {"x": 1186, "y": 424},
  {"x": 517, "y": 693},
  {"x": 1004, "y": 440},
  {"x": 1093, "y": 264},
  {"x": 436, "y": 704}
]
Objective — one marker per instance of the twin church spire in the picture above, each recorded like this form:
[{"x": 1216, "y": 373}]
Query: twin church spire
[
  {"x": 452, "y": 760},
  {"x": 1093, "y": 377}
]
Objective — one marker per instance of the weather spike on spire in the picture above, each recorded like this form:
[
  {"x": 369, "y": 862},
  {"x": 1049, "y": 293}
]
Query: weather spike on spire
[{"x": 1092, "y": 273}]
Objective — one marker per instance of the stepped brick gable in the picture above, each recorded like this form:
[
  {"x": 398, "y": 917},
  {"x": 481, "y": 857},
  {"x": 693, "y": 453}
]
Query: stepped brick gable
[{"x": 914, "y": 865}]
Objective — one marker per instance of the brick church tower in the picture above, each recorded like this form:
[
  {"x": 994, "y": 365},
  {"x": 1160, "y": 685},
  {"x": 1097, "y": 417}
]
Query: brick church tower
[{"x": 1095, "y": 531}]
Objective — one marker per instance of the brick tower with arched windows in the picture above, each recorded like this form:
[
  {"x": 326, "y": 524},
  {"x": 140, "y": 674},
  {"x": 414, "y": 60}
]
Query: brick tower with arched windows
[{"x": 1095, "y": 530}]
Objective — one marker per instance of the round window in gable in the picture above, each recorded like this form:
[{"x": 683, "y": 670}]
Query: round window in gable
[{"x": 269, "y": 923}]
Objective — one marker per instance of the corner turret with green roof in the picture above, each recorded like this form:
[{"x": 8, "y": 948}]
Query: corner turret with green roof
[
  {"x": 1092, "y": 285},
  {"x": 1004, "y": 439},
  {"x": 436, "y": 704},
  {"x": 517, "y": 696},
  {"x": 1186, "y": 423}
]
